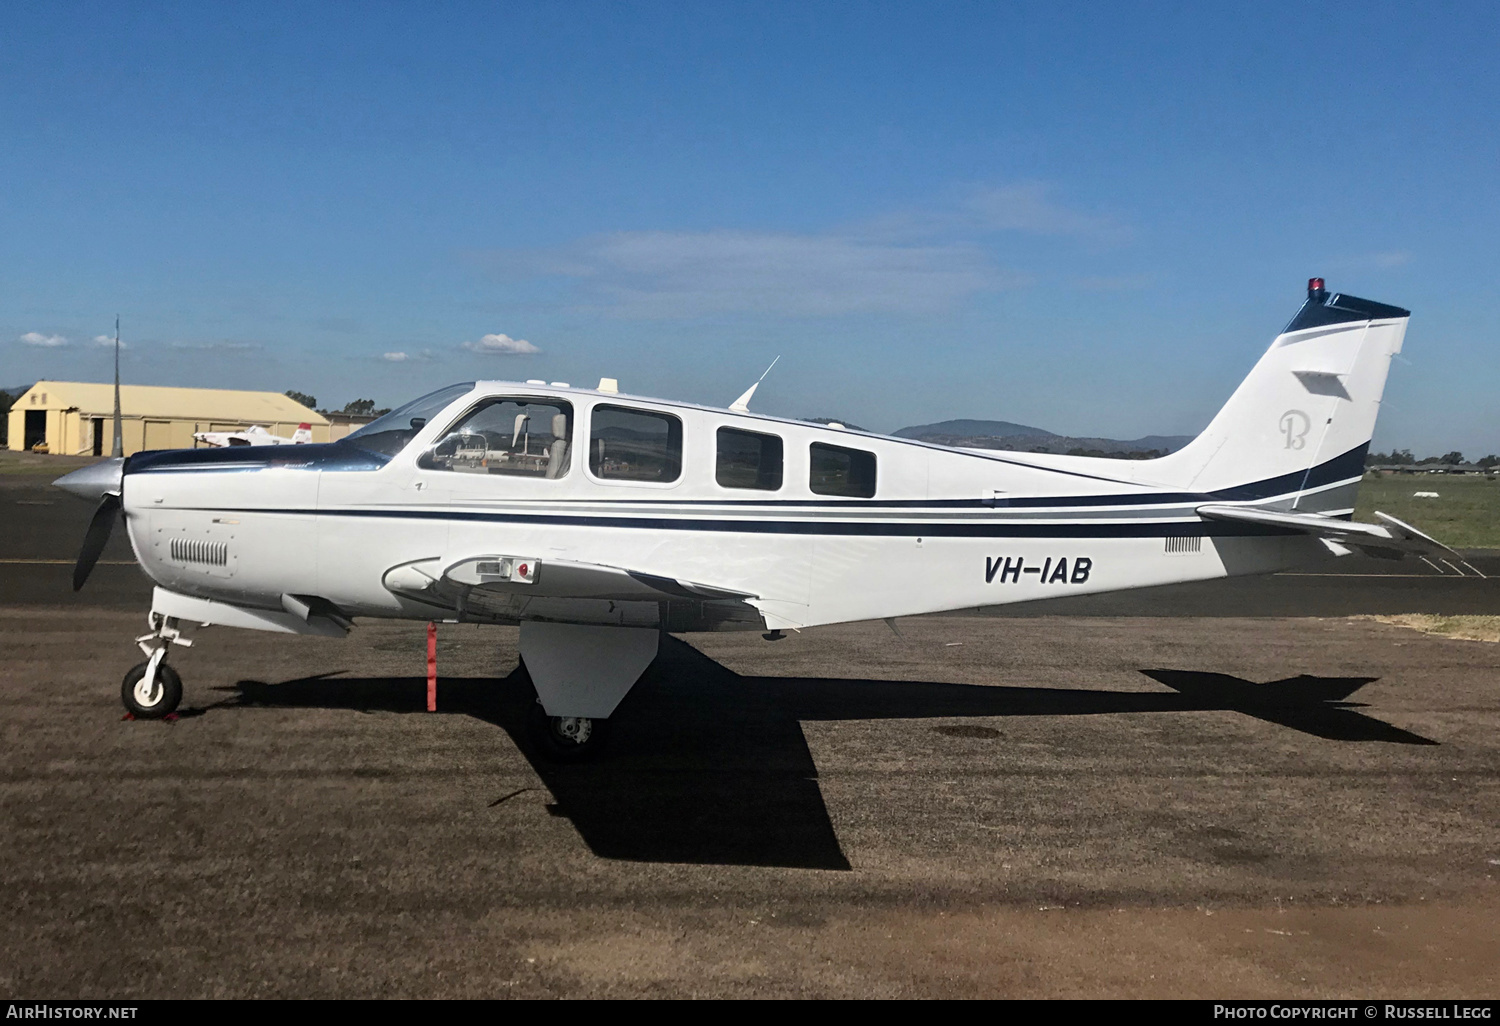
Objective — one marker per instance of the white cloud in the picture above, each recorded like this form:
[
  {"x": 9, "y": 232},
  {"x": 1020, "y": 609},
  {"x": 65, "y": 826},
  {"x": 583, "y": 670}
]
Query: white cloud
[
  {"x": 36, "y": 338},
  {"x": 1114, "y": 282},
  {"x": 1028, "y": 207},
  {"x": 922, "y": 260},
  {"x": 423, "y": 356},
  {"x": 1381, "y": 261},
  {"x": 108, "y": 340},
  {"x": 678, "y": 274},
  {"x": 218, "y": 347},
  {"x": 502, "y": 345},
  {"x": 979, "y": 211}
]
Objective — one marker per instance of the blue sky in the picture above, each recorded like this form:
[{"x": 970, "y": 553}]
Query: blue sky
[{"x": 1090, "y": 217}]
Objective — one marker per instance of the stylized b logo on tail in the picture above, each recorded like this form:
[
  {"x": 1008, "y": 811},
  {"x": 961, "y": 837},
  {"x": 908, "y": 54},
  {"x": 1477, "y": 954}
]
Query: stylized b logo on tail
[{"x": 1294, "y": 424}]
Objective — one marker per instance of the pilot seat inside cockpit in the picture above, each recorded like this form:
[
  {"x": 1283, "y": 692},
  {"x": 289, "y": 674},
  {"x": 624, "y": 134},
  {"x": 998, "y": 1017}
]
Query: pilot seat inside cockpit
[{"x": 506, "y": 436}]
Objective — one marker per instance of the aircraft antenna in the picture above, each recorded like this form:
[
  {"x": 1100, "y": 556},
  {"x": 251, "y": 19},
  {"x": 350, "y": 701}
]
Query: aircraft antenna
[
  {"x": 118, "y": 449},
  {"x": 742, "y": 404}
]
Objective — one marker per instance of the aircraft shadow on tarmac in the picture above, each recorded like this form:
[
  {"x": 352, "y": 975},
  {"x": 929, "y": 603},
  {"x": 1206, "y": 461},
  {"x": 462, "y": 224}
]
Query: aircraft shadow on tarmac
[{"x": 706, "y": 766}]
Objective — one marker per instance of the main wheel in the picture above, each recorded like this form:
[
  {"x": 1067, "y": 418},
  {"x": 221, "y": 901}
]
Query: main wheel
[
  {"x": 567, "y": 738},
  {"x": 155, "y": 702}
]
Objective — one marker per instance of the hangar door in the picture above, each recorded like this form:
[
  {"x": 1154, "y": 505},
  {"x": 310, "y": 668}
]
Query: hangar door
[
  {"x": 158, "y": 434},
  {"x": 36, "y": 428}
]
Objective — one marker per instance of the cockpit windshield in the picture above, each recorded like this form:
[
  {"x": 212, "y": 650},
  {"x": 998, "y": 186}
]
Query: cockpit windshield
[{"x": 389, "y": 434}]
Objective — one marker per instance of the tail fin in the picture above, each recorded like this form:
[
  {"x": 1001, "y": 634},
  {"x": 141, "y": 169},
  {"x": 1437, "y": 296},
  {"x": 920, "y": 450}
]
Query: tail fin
[
  {"x": 1297, "y": 429},
  {"x": 302, "y": 435}
]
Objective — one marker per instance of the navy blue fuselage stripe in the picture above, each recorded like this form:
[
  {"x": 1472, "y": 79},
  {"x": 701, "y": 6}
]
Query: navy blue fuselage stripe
[{"x": 926, "y": 529}]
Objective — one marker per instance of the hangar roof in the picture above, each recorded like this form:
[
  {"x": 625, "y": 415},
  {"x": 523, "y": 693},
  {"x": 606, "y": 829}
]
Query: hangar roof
[{"x": 203, "y": 404}]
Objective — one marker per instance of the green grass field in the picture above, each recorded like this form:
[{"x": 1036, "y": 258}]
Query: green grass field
[{"x": 1465, "y": 515}]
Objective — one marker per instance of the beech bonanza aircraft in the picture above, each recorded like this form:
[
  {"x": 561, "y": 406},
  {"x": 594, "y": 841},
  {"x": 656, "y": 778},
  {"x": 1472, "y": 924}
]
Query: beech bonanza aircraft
[
  {"x": 253, "y": 435},
  {"x": 597, "y": 520}
]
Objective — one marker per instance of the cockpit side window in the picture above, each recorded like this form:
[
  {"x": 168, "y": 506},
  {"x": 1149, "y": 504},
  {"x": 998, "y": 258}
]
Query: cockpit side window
[
  {"x": 388, "y": 435},
  {"x": 836, "y": 470},
  {"x": 515, "y": 436},
  {"x": 635, "y": 445}
]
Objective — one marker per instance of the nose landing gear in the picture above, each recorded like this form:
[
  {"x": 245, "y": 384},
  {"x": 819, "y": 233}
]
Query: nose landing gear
[
  {"x": 148, "y": 695},
  {"x": 152, "y": 690}
]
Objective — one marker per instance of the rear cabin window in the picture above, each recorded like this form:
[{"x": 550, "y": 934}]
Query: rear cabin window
[
  {"x": 519, "y": 437},
  {"x": 748, "y": 459},
  {"x": 840, "y": 471},
  {"x": 633, "y": 445}
]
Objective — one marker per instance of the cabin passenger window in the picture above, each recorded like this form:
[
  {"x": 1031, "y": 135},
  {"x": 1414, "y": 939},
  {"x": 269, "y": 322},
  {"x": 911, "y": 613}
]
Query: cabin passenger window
[
  {"x": 840, "y": 471},
  {"x": 633, "y": 445},
  {"x": 748, "y": 459},
  {"x": 520, "y": 437}
]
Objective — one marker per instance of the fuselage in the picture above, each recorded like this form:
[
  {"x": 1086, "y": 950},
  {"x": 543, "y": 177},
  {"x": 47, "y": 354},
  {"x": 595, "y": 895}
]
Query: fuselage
[{"x": 845, "y": 526}]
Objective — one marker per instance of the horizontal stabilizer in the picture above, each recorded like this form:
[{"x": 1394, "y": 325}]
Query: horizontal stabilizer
[{"x": 1393, "y": 538}]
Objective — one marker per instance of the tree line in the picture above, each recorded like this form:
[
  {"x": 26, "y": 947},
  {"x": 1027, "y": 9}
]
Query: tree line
[
  {"x": 356, "y": 407},
  {"x": 1404, "y": 458}
]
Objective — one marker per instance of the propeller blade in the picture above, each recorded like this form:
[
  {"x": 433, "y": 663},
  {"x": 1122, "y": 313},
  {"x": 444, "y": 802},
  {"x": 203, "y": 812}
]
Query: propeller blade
[{"x": 96, "y": 538}]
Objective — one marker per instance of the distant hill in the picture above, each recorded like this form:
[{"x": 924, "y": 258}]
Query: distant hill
[
  {"x": 1004, "y": 435},
  {"x": 976, "y": 429}
]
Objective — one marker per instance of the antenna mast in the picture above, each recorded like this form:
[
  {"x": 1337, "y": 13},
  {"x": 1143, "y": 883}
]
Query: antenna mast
[
  {"x": 118, "y": 449},
  {"x": 742, "y": 404}
]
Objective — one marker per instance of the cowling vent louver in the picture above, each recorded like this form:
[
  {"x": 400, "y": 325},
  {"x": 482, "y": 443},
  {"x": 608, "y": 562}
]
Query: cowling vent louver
[{"x": 199, "y": 550}]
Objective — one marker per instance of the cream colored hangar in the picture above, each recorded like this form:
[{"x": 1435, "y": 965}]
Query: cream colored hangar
[
  {"x": 596, "y": 520},
  {"x": 76, "y": 418}
]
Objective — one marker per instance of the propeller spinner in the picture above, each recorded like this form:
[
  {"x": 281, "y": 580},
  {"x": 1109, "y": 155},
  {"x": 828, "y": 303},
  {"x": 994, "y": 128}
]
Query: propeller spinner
[{"x": 99, "y": 481}]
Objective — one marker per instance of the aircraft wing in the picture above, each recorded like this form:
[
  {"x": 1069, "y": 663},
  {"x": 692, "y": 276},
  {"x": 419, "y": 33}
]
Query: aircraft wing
[
  {"x": 563, "y": 578},
  {"x": 1392, "y": 539},
  {"x": 527, "y": 577}
]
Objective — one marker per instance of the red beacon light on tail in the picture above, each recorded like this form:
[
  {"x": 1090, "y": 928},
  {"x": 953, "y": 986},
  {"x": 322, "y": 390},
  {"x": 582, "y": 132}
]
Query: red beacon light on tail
[{"x": 1315, "y": 289}]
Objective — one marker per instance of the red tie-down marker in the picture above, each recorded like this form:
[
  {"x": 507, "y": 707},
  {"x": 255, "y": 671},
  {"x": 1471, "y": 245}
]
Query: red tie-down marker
[{"x": 431, "y": 666}]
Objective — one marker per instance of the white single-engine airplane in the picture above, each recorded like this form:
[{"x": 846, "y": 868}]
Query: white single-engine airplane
[
  {"x": 596, "y": 520},
  {"x": 253, "y": 435}
]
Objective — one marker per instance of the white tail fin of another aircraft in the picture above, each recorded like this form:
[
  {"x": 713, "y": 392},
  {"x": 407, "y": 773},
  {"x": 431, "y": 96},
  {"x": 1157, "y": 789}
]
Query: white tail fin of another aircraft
[
  {"x": 1296, "y": 431},
  {"x": 302, "y": 435}
]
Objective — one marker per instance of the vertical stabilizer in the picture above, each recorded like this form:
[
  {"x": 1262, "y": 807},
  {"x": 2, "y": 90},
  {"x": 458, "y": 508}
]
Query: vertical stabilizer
[{"x": 1298, "y": 427}]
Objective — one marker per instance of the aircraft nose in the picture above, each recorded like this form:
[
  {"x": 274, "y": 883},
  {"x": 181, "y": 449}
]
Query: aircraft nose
[{"x": 96, "y": 481}]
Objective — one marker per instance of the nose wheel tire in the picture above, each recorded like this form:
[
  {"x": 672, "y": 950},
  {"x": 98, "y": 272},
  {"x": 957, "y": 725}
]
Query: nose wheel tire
[
  {"x": 153, "y": 702},
  {"x": 567, "y": 738}
]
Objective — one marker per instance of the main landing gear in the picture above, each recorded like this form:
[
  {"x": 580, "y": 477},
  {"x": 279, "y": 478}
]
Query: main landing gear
[
  {"x": 581, "y": 673},
  {"x": 153, "y": 690},
  {"x": 567, "y": 738}
]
